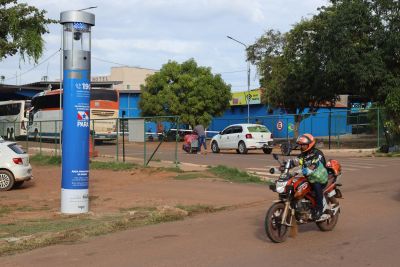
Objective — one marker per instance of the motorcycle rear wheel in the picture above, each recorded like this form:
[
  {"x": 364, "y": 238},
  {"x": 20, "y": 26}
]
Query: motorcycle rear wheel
[
  {"x": 276, "y": 231},
  {"x": 329, "y": 224}
]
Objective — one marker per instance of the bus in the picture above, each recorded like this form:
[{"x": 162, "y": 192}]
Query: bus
[
  {"x": 45, "y": 116},
  {"x": 14, "y": 118}
]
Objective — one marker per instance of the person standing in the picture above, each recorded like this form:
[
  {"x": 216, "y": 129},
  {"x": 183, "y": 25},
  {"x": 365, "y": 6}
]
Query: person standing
[{"x": 199, "y": 129}]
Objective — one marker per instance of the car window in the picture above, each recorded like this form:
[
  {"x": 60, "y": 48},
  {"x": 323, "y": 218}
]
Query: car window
[
  {"x": 258, "y": 129},
  {"x": 227, "y": 130},
  {"x": 237, "y": 129},
  {"x": 16, "y": 148}
]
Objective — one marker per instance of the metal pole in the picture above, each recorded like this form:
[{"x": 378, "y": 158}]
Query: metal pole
[
  {"x": 117, "y": 155},
  {"x": 248, "y": 78},
  {"x": 123, "y": 137},
  {"x": 55, "y": 137},
  {"x": 248, "y": 91},
  {"x": 379, "y": 130},
  {"x": 144, "y": 143},
  {"x": 93, "y": 141},
  {"x": 40, "y": 138},
  {"x": 329, "y": 127},
  {"x": 177, "y": 140}
]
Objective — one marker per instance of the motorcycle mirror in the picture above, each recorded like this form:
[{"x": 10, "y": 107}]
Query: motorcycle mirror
[
  {"x": 272, "y": 170},
  {"x": 275, "y": 156}
]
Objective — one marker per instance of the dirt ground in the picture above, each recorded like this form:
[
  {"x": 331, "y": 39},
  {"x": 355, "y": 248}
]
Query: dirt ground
[{"x": 110, "y": 191}]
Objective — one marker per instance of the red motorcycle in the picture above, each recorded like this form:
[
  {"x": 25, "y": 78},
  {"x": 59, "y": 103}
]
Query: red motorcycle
[{"x": 296, "y": 204}]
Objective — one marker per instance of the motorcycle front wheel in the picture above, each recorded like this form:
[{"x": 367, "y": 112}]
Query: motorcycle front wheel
[{"x": 276, "y": 231}]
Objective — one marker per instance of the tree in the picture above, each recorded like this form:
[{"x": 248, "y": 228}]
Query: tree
[
  {"x": 290, "y": 70},
  {"x": 341, "y": 50},
  {"x": 186, "y": 90},
  {"x": 21, "y": 30}
]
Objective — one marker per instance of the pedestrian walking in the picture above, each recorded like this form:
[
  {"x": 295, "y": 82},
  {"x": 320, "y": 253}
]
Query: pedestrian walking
[{"x": 199, "y": 129}]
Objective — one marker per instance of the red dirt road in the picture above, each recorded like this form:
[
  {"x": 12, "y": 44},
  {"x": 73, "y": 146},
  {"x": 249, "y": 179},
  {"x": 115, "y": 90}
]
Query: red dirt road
[{"x": 367, "y": 233}]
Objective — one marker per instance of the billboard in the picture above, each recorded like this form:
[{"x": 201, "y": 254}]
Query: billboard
[{"x": 240, "y": 98}]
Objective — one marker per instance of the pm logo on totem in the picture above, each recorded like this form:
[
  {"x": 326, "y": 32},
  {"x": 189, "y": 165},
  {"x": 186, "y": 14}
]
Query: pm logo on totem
[{"x": 83, "y": 119}]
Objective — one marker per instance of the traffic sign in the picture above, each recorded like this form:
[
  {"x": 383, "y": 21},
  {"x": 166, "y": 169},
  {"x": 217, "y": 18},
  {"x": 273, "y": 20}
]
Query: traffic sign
[{"x": 279, "y": 125}]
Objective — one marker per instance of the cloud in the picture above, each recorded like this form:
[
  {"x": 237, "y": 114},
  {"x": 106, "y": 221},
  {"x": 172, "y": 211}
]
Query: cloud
[
  {"x": 151, "y": 32},
  {"x": 151, "y": 45}
]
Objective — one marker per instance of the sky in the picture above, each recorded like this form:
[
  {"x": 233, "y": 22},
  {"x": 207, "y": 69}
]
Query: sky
[{"x": 149, "y": 33}]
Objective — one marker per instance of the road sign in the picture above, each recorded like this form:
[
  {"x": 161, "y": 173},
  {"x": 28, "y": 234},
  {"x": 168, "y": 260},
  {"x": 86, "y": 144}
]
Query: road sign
[{"x": 279, "y": 125}]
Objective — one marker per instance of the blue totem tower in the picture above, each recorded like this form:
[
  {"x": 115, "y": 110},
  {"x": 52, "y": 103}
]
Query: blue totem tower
[{"x": 76, "y": 111}]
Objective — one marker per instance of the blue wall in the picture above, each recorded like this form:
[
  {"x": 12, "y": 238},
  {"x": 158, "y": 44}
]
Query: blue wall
[
  {"x": 129, "y": 102},
  {"x": 317, "y": 125}
]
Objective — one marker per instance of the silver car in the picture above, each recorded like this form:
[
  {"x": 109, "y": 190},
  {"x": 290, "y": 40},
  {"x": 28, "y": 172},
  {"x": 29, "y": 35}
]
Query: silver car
[
  {"x": 243, "y": 137},
  {"x": 14, "y": 166}
]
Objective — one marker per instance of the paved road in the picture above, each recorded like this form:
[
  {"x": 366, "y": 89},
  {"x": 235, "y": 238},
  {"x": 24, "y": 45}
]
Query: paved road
[{"x": 367, "y": 233}]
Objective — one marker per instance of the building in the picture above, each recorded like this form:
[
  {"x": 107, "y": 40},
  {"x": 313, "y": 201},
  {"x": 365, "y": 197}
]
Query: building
[{"x": 129, "y": 87}]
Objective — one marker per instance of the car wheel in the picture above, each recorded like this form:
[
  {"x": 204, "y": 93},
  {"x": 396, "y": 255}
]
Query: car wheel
[
  {"x": 237, "y": 151},
  {"x": 267, "y": 150},
  {"x": 214, "y": 147},
  {"x": 8, "y": 134},
  {"x": 242, "y": 148},
  {"x": 6, "y": 180}
]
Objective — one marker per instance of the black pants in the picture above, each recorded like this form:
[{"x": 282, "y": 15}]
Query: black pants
[{"x": 318, "y": 189}]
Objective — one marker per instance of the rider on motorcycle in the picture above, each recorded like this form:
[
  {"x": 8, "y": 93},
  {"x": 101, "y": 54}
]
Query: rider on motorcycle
[{"x": 312, "y": 162}]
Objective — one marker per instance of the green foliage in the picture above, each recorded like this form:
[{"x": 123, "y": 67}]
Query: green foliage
[
  {"x": 185, "y": 90},
  {"x": 21, "y": 30},
  {"x": 45, "y": 160},
  {"x": 349, "y": 47},
  {"x": 115, "y": 166},
  {"x": 234, "y": 175}
]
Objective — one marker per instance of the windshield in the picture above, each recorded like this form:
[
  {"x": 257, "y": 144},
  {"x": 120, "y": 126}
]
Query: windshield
[
  {"x": 258, "y": 129},
  {"x": 104, "y": 94}
]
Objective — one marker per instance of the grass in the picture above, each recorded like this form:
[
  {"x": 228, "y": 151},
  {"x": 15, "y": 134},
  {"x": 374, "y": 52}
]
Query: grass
[
  {"x": 41, "y": 159},
  {"x": 190, "y": 175},
  {"x": 234, "y": 175},
  {"x": 29, "y": 234},
  {"x": 115, "y": 166}
]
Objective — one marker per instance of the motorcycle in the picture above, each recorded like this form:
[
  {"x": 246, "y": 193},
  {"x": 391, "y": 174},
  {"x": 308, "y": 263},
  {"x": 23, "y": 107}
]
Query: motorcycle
[{"x": 297, "y": 203}]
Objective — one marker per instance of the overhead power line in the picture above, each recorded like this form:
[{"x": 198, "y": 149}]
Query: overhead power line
[{"x": 25, "y": 72}]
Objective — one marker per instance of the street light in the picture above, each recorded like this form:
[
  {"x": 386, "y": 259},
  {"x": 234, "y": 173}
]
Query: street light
[{"x": 248, "y": 79}]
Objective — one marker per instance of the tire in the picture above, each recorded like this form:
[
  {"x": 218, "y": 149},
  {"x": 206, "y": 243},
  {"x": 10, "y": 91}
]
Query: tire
[
  {"x": 214, "y": 147},
  {"x": 18, "y": 184},
  {"x": 6, "y": 180},
  {"x": 12, "y": 134},
  {"x": 267, "y": 150},
  {"x": 276, "y": 231},
  {"x": 8, "y": 134},
  {"x": 242, "y": 148},
  {"x": 237, "y": 151},
  {"x": 329, "y": 224}
]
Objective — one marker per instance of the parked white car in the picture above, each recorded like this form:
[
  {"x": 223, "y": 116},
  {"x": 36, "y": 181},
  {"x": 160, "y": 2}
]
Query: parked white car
[
  {"x": 243, "y": 137},
  {"x": 14, "y": 166}
]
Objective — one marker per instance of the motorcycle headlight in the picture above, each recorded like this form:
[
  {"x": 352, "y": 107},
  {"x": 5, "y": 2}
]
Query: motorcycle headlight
[{"x": 280, "y": 186}]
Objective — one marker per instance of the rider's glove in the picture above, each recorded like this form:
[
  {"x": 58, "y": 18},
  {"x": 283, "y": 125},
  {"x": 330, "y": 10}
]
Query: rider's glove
[{"x": 306, "y": 171}]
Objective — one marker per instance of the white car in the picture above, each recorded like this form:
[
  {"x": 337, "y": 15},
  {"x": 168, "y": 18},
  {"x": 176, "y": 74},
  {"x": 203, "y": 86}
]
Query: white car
[
  {"x": 243, "y": 137},
  {"x": 14, "y": 166}
]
